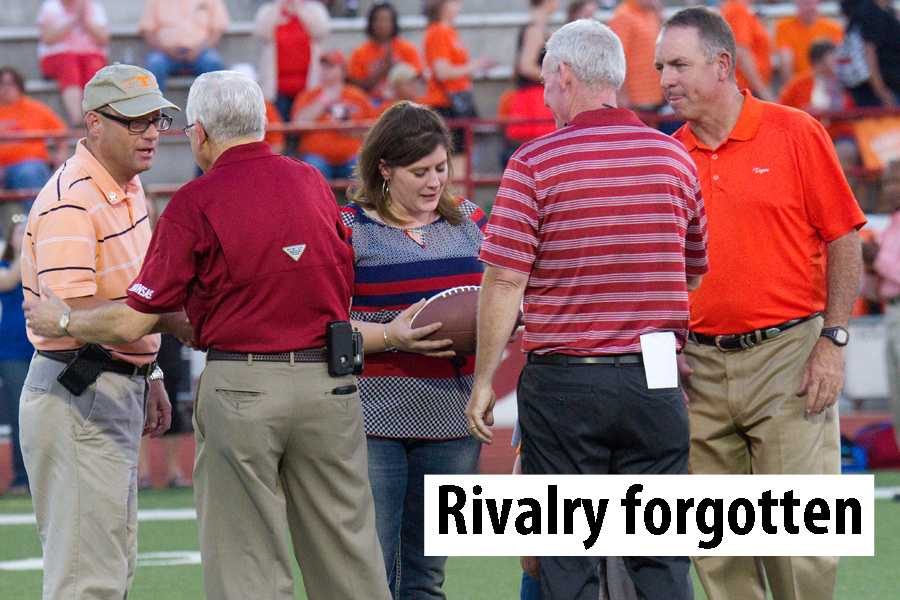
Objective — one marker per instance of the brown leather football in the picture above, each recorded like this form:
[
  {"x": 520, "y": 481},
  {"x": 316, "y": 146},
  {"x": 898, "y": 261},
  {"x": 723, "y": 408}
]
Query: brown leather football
[{"x": 457, "y": 311}]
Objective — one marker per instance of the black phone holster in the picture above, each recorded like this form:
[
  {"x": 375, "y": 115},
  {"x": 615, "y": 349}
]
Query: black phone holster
[{"x": 344, "y": 347}]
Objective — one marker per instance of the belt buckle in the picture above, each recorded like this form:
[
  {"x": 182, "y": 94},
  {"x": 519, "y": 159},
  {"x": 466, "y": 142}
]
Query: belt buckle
[
  {"x": 771, "y": 332},
  {"x": 718, "y": 340}
]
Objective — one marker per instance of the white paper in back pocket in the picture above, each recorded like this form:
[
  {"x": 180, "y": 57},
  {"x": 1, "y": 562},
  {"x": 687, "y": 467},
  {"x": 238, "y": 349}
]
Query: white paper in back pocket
[{"x": 660, "y": 366}]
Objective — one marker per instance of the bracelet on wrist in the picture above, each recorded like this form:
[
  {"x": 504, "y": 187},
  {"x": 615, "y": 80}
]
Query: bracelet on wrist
[{"x": 387, "y": 344}]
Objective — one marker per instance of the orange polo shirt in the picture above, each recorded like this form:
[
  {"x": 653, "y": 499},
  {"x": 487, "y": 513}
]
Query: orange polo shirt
[
  {"x": 86, "y": 236},
  {"x": 638, "y": 29},
  {"x": 336, "y": 147},
  {"x": 441, "y": 42},
  {"x": 365, "y": 57},
  {"x": 19, "y": 117},
  {"x": 750, "y": 33},
  {"x": 793, "y": 34},
  {"x": 775, "y": 195}
]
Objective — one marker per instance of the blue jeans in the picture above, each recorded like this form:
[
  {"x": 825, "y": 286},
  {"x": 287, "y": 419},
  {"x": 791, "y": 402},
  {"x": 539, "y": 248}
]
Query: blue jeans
[
  {"x": 12, "y": 376},
  {"x": 329, "y": 171},
  {"x": 26, "y": 175},
  {"x": 162, "y": 65},
  {"x": 397, "y": 469},
  {"x": 530, "y": 589}
]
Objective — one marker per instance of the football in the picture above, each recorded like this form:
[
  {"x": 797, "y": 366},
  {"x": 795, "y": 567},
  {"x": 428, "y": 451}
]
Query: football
[{"x": 457, "y": 311}]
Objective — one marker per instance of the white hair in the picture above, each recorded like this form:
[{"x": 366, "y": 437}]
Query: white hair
[
  {"x": 591, "y": 49},
  {"x": 229, "y": 104}
]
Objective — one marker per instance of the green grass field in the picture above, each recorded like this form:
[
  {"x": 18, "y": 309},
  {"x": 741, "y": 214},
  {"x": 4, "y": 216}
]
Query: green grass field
[{"x": 467, "y": 578}]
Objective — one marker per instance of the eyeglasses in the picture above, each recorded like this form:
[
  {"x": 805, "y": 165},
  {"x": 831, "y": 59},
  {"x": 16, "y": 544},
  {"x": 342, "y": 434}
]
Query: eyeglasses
[
  {"x": 142, "y": 124},
  {"x": 187, "y": 130}
]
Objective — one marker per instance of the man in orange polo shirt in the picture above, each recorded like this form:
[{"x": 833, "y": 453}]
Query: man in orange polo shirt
[
  {"x": 637, "y": 24},
  {"x": 768, "y": 323},
  {"x": 753, "y": 61},
  {"x": 83, "y": 406}
]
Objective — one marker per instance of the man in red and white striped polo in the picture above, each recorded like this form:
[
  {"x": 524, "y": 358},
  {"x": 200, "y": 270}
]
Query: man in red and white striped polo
[{"x": 600, "y": 226}]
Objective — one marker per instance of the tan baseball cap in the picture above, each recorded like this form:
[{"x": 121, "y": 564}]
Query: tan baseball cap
[{"x": 129, "y": 90}]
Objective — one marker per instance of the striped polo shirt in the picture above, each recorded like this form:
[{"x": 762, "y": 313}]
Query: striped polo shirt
[
  {"x": 605, "y": 216},
  {"x": 86, "y": 236}
]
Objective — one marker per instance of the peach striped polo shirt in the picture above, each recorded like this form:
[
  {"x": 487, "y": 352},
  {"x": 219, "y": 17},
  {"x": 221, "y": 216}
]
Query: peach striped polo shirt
[{"x": 86, "y": 236}]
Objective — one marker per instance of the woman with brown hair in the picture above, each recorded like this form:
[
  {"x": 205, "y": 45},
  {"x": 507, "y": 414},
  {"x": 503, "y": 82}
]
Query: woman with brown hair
[{"x": 411, "y": 239}]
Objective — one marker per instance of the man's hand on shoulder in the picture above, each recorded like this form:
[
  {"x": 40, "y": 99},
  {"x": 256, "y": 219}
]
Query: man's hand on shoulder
[{"x": 823, "y": 376}]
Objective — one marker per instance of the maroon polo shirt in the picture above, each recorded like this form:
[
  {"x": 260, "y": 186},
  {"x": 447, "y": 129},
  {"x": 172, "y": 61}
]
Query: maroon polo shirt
[{"x": 254, "y": 251}]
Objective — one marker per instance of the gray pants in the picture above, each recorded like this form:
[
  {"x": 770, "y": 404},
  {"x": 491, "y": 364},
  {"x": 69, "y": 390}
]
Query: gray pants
[{"x": 81, "y": 453}]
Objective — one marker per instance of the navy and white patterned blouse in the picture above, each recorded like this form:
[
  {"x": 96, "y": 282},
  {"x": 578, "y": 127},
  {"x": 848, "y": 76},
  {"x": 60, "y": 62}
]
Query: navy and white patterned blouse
[{"x": 407, "y": 395}]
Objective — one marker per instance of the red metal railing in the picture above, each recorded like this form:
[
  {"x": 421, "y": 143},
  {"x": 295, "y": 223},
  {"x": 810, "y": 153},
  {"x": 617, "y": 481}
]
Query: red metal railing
[{"x": 471, "y": 127}]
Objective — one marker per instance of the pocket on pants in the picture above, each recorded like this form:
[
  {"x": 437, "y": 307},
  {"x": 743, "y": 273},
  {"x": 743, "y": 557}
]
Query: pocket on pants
[{"x": 238, "y": 399}]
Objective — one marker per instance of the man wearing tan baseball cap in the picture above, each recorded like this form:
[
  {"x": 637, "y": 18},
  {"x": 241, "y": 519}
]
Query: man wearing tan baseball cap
[{"x": 83, "y": 405}]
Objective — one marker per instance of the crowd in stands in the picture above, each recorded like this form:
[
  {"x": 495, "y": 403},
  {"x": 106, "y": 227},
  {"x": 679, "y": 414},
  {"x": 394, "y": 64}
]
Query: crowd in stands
[{"x": 805, "y": 60}]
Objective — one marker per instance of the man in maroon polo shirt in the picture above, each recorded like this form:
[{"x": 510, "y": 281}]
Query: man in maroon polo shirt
[
  {"x": 255, "y": 253},
  {"x": 600, "y": 227}
]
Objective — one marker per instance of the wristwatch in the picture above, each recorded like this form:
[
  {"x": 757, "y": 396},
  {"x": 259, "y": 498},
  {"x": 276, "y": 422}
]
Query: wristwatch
[
  {"x": 64, "y": 322},
  {"x": 838, "y": 335},
  {"x": 156, "y": 374}
]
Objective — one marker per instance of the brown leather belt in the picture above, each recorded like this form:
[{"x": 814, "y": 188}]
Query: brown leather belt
[
  {"x": 309, "y": 355},
  {"x": 741, "y": 341}
]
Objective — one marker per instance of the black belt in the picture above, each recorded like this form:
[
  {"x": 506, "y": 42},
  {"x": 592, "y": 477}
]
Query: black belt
[
  {"x": 742, "y": 341},
  {"x": 569, "y": 359},
  {"x": 309, "y": 355},
  {"x": 112, "y": 365}
]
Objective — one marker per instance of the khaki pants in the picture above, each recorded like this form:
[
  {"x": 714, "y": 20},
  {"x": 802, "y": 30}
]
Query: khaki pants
[
  {"x": 281, "y": 462},
  {"x": 892, "y": 325},
  {"x": 81, "y": 454},
  {"x": 746, "y": 418}
]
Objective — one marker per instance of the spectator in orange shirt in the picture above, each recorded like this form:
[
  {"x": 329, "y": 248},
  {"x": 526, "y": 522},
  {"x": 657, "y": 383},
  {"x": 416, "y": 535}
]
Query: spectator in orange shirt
[
  {"x": 183, "y": 35},
  {"x": 72, "y": 47},
  {"x": 450, "y": 84},
  {"x": 754, "y": 61},
  {"x": 581, "y": 9},
  {"x": 333, "y": 152},
  {"x": 795, "y": 35},
  {"x": 637, "y": 23},
  {"x": 372, "y": 61},
  {"x": 25, "y": 164},
  {"x": 818, "y": 89},
  {"x": 291, "y": 33}
]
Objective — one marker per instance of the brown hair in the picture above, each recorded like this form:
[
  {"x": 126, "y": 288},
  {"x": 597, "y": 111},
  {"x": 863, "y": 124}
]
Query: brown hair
[
  {"x": 432, "y": 10},
  {"x": 17, "y": 77},
  {"x": 405, "y": 133},
  {"x": 8, "y": 253}
]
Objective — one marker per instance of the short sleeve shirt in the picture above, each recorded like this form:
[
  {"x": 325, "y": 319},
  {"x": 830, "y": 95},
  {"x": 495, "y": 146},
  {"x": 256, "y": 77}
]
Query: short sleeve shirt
[
  {"x": 27, "y": 114},
  {"x": 78, "y": 40},
  {"x": 794, "y": 35},
  {"x": 606, "y": 218},
  {"x": 775, "y": 196},
  {"x": 255, "y": 253},
  {"x": 336, "y": 146},
  {"x": 441, "y": 42},
  {"x": 366, "y": 56},
  {"x": 184, "y": 23},
  {"x": 750, "y": 33},
  {"x": 87, "y": 236}
]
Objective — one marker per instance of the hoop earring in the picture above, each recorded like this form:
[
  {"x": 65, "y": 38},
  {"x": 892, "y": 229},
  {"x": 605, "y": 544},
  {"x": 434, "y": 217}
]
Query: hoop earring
[{"x": 386, "y": 191}]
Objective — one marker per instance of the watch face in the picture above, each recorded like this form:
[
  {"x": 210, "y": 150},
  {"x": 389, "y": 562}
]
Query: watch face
[{"x": 838, "y": 335}]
